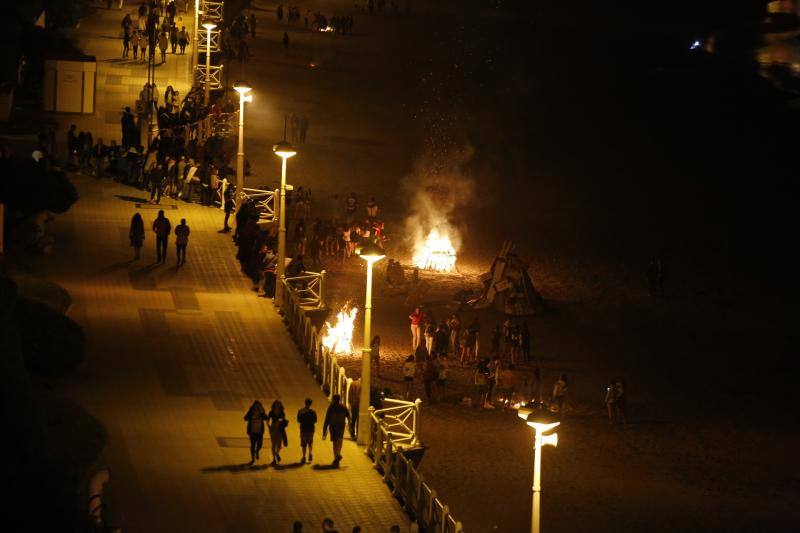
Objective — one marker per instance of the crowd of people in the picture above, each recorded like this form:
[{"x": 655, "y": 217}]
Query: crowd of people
[
  {"x": 155, "y": 27},
  {"x": 316, "y": 21},
  {"x": 310, "y": 246}
]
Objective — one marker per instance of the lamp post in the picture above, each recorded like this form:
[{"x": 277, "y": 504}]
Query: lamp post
[
  {"x": 208, "y": 25},
  {"x": 542, "y": 421},
  {"x": 241, "y": 87},
  {"x": 284, "y": 150},
  {"x": 196, "y": 41},
  {"x": 371, "y": 253}
]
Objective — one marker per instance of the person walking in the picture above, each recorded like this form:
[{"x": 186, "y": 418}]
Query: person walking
[
  {"x": 409, "y": 370},
  {"x": 181, "y": 241},
  {"x": 559, "y": 393},
  {"x": 162, "y": 229},
  {"x": 611, "y": 401},
  {"x": 285, "y": 40},
  {"x": 126, "y": 42},
  {"x": 481, "y": 380},
  {"x": 336, "y": 419},
  {"x": 255, "y": 418},
  {"x": 99, "y": 155},
  {"x": 429, "y": 375},
  {"x": 277, "y": 430},
  {"x": 307, "y": 419},
  {"x": 162, "y": 45},
  {"x": 428, "y": 332},
  {"x": 173, "y": 38},
  {"x": 135, "y": 39},
  {"x": 136, "y": 235},
  {"x": 229, "y": 206},
  {"x": 454, "y": 325},
  {"x": 183, "y": 39},
  {"x": 416, "y": 319}
]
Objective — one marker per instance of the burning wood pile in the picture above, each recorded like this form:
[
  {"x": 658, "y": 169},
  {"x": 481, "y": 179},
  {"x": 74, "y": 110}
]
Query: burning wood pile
[
  {"x": 339, "y": 338},
  {"x": 435, "y": 253}
]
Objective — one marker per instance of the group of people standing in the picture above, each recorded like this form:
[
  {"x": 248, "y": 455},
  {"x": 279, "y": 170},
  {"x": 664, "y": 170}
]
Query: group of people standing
[
  {"x": 153, "y": 29},
  {"x": 275, "y": 422}
]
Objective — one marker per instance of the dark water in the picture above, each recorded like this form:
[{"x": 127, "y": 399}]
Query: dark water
[{"x": 600, "y": 138}]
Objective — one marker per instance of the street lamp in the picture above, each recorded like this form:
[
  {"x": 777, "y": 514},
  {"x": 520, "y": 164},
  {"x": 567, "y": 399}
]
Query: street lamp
[
  {"x": 542, "y": 421},
  {"x": 208, "y": 25},
  {"x": 241, "y": 87},
  {"x": 371, "y": 253},
  {"x": 195, "y": 42},
  {"x": 284, "y": 150}
]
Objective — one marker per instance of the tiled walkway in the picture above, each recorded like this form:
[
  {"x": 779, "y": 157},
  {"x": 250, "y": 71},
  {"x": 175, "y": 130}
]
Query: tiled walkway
[
  {"x": 119, "y": 80},
  {"x": 174, "y": 358}
]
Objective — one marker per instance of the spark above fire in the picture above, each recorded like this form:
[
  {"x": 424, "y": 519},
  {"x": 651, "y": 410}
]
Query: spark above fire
[
  {"x": 436, "y": 253},
  {"x": 339, "y": 338}
]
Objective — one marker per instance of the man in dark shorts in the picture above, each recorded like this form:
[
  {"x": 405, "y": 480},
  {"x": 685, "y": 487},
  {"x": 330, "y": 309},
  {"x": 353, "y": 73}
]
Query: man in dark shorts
[
  {"x": 336, "y": 418},
  {"x": 307, "y": 419}
]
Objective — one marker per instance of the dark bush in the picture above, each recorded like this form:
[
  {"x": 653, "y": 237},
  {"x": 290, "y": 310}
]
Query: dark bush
[
  {"x": 30, "y": 188},
  {"x": 52, "y": 344}
]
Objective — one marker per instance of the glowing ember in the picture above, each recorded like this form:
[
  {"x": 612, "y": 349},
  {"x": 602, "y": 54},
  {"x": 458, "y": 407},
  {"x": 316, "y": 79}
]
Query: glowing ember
[
  {"x": 339, "y": 338},
  {"x": 326, "y": 29},
  {"x": 437, "y": 253}
]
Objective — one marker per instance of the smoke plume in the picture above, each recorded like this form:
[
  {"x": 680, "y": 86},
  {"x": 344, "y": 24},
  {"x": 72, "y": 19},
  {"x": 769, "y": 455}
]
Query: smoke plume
[{"x": 437, "y": 189}]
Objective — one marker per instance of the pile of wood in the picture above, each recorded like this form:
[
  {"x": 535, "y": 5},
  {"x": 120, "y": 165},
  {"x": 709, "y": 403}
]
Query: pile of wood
[{"x": 507, "y": 287}]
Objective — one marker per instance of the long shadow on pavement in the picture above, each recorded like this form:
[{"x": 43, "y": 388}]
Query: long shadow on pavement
[
  {"x": 328, "y": 467},
  {"x": 111, "y": 268},
  {"x": 243, "y": 467},
  {"x": 132, "y": 199},
  {"x": 289, "y": 466}
]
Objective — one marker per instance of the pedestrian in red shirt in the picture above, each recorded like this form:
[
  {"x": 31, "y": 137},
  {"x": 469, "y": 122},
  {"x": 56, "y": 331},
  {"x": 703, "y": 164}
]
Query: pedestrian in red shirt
[{"x": 416, "y": 319}]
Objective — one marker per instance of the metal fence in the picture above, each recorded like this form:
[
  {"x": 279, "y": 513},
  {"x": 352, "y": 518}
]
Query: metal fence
[
  {"x": 265, "y": 201},
  {"x": 394, "y": 429}
]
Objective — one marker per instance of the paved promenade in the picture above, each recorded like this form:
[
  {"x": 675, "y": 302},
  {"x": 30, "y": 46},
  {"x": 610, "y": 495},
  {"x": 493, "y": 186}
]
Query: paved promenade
[
  {"x": 119, "y": 80},
  {"x": 174, "y": 358}
]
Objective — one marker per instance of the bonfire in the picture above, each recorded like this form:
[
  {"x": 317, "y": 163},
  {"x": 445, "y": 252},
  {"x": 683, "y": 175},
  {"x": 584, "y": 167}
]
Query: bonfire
[
  {"x": 436, "y": 253},
  {"x": 339, "y": 338}
]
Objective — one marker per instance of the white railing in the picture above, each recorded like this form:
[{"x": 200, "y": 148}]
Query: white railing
[
  {"x": 388, "y": 448},
  {"x": 309, "y": 288},
  {"x": 394, "y": 430},
  {"x": 214, "y": 74},
  {"x": 265, "y": 203},
  {"x": 215, "y": 40},
  {"x": 400, "y": 422},
  {"x": 212, "y": 10}
]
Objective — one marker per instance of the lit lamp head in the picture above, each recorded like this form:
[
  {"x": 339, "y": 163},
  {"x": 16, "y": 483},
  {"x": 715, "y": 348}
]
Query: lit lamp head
[
  {"x": 284, "y": 150},
  {"x": 209, "y": 24},
  {"x": 242, "y": 87},
  {"x": 542, "y": 421},
  {"x": 371, "y": 252}
]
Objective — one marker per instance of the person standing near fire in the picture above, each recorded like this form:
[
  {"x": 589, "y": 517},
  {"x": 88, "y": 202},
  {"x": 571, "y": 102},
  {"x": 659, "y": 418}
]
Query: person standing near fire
[{"x": 416, "y": 319}]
